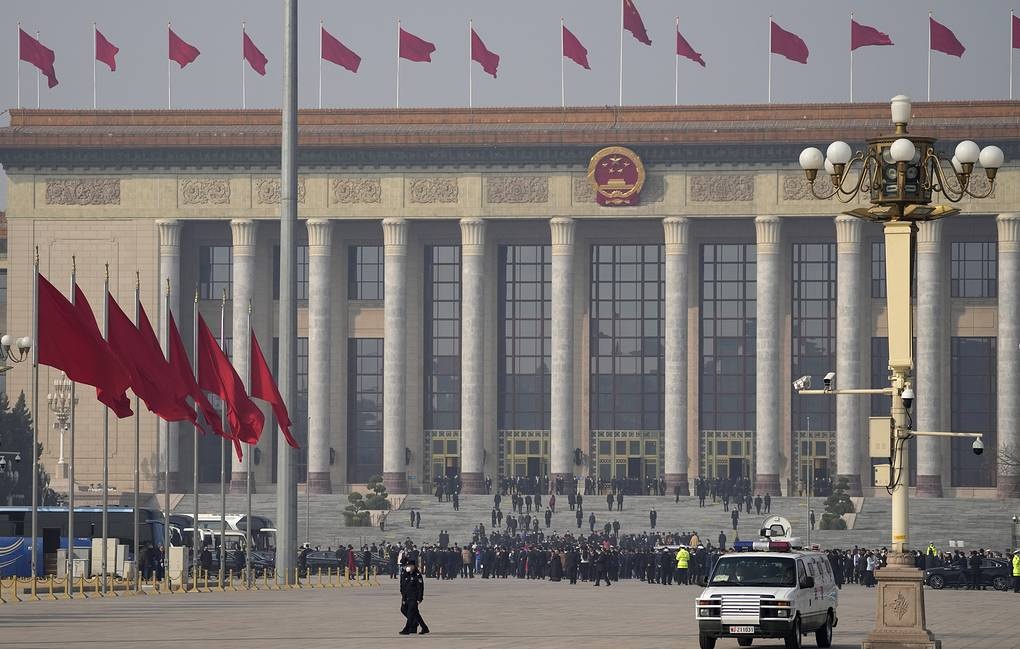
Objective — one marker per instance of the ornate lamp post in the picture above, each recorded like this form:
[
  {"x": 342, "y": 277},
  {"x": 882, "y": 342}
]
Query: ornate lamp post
[
  {"x": 900, "y": 173},
  {"x": 61, "y": 401},
  {"x": 13, "y": 350}
]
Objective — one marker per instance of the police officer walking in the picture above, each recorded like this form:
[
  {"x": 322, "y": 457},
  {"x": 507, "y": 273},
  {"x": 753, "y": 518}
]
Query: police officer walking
[{"x": 412, "y": 592}]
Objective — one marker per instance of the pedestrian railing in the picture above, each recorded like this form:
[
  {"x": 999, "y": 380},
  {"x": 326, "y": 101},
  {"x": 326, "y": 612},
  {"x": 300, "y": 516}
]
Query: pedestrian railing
[{"x": 50, "y": 588}]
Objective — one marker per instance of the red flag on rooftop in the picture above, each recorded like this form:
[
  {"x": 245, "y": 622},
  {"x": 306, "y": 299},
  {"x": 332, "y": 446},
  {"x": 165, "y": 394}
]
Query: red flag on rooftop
[
  {"x": 788, "y": 44},
  {"x": 943, "y": 39},
  {"x": 32, "y": 51},
  {"x": 336, "y": 52},
  {"x": 263, "y": 386},
  {"x": 106, "y": 52},
  {"x": 112, "y": 392},
  {"x": 217, "y": 375},
  {"x": 413, "y": 48},
  {"x": 632, "y": 22},
  {"x": 864, "y": 36},
  {"x": 481, "y": 54},
  {"x": 684, "y": 49},
  {"x": 1016, "y": 32},
  {"x": 181, "y": 52},
  {"x": 573, "y": 50},
  {"x": 253, "y": 55},
  {"x": 184, "y": 375}
]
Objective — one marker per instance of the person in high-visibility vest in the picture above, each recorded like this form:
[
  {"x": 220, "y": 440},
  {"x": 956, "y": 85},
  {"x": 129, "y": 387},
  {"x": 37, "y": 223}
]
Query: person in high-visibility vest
[
  {"x": 1016, "y": 571},
  {"x": 931, "y": 556},
  {"x": 683, "y": 561}
]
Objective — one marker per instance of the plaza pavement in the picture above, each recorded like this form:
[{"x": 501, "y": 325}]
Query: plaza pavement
[{"x": 463, "y": 614}]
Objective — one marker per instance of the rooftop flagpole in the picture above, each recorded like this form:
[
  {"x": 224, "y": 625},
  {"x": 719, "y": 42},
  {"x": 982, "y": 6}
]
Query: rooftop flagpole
[
  {"x": 244, "y": 90},
  {"x": 320, "y": 63},
  {"x": 563, "y": 92},
  {"x": 676, "y": 66},
  {"x": 398, "y": 63},
  {"x": 1011, "y": 54},
  {"x": 169, "y": 98},
  {"x": 471, "y": 99},
  {"x": 93, "y": 66},
  {"x": 770, "y": 59},
  {"x": 929, "y": 55},
  {"x": 19, "y": 65},
  {"x": 38, "y": 96},
  {"x": 621, "y": 51},
  {"x": 851, "y": 57}
]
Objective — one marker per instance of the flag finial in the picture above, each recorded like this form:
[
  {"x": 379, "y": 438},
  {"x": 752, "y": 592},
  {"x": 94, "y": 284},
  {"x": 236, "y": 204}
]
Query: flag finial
[
  {"x": 223, "y": 300},
  {"x": 249, "y": 306},
  {"x": 37, "y": 255},
  {"x": 138, "y": 280},
  {"x": 106, "y": 274},
  {"x": 196, "y": 289},
  {"x": 74, "y": 263}
]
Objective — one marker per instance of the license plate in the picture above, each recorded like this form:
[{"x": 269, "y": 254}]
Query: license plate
[{"x": 741, "y": 629}]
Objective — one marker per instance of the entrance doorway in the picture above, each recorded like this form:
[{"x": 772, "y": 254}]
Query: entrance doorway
[
  {"x": 452, "y": 467},
  {"x": 534, "y": 467}
]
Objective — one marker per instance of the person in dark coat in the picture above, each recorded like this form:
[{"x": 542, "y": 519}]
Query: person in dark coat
[
  {"x": 571, "y": 500},
  {"x": 412, "y": 592},
  {"x": 652, "y": 517},
  {"x": 619, "y": 501},
  {"x": 591, "y": 522},
  {"x": 602, "y": 567},
  {"x": 758, "y": 502},
  {"x": 722, "y": 540},
  {"x": 548, "y": 517},
  {"x": 609, "y": 501},
  {"x": 494, "y": 517},
  {"x": 417, "y": 519},
  {"x": 735, "y": 517},
  {"x": 579, "y": 515},
  {"x": 768, "y": 503}
]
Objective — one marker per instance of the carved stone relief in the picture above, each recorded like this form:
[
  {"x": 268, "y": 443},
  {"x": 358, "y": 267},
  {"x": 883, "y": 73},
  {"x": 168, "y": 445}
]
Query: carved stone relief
[
  {"x": 205, "y": 191},
  {"x": 83, "y": 191},
  {"x": 722, "y": 188},
  {"x": 356, "y": 190},
  {"x": 795, "y": 187},
  {"x": 267, "y": 191},
  {"x": 433, "y": 190},
  {"x": 517, "y": 189}
]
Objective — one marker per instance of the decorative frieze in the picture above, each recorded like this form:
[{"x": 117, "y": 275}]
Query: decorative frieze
[
  {"x": 517, "y": 189},
  {"x": 267, "y": 191},
  {"x": 349, "y": 191},
  {"x": 83, "y": 191},
  {"x": 433, "y": 190},
  {"x": 721, "y": 188},
  {"x": 795, "y": 187},
  {"x": 204, "y": 191},
  {"x": 583, "y": 193}
]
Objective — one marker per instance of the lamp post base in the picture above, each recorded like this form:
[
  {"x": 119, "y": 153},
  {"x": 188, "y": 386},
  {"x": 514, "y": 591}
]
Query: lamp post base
[{"x": 899, "y": 616}]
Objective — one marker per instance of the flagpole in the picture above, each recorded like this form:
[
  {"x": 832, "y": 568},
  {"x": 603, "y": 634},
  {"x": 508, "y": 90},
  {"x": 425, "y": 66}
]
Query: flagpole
[
  {"x": 320, "y": 63},
  {"x": 169, "y": 104},
  {"x": 106, "y": 434},
  {"x": 166, "y": 458},
  {"x": 398, "y": 63},
  {"x": 35, "y": 414},
  {"x": 196, "y": 543},
  {"x": 851, "y": 57},
  {"x": 471, "y": 90},
  {"x": 223, "y": 449},
  {"x": 563, "y": 92},
  {"x": 244, "y": 98},
  {"x": 676, "y": 67},
  {"x": 19, "y": 65},
  {"x": 138, "y": 436},
  {"x": 621, "y": 51},
  {"x": 1010, "y": 53},
  {"x": 93, "y": 66},
  {"x": 247, "y": 463},
  {"x": 929, "y": 56},
  {"x": 70, "y": 441},
  {"x": 38, "y": 103},
  {"x": 770, "y": 59}
]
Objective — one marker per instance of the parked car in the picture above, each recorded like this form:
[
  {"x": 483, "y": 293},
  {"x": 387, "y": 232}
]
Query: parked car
[
  {"x": 994, "y": 572},
  {"x": 321, "y": 560}
]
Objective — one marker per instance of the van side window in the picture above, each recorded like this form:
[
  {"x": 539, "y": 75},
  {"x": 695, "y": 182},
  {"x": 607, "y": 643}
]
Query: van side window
[
  {"x": 802, "y": 571},
  {"x": 811, "y": 568}
]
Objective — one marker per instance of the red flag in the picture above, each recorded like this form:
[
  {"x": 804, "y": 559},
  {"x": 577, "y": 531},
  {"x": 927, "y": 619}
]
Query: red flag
[
  {"x": 336, "y": 52},
  {"x": 573, "y": 50},
  {"x": 632, "y": 22},
  {"x": 264, "y": 387},
  {"x": 177, "y": 390},
  {"x": 217, "y": 375},
  {"x": 76, "y": 347},
  {"x": 254, "y": 56},
  {"x": 185, "y": 376},
  {"x": 943, "y": 39},
  {"x": 1016, "y": 32},
  {"x": 488, "y": 60},
  {"x": 32, "y": 51},
  {"x": 106, "y": 51},
  {"x": 788, "y": 44},
  {"x": 113, "y": 391},
  {"x": 863, "y": 36},
  {"x": 150, "y": 373},
  {"x": 181, "y": 52},
  {"x": 684, "y": 49},
  {"x": 413, "y": 48}
]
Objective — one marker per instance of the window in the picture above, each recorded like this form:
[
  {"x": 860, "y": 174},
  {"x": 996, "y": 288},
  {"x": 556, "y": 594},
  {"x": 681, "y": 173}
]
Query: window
[
  {"x": 365, "y": 410},
  {"x": 627, "y": 351},
  {"x": 525, "y": 312},
  {"x": 973, "y": 370},
  {"x": 215, "y": 272},
  {"x": 442, "y": 337},
  {"x": 973, "y": 269},
  {"x": 302, "y": 272},
  {"x": 878, "y": 269},
  {"x": 365, "y": 272}
]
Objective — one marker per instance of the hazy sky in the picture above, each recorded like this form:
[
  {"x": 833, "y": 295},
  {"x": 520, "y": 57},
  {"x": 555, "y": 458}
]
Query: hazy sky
[{"x": 731, "y": 34}]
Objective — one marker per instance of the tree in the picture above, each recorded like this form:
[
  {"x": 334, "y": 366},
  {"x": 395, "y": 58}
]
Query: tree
[
  {"x": 16, "y": 437},
  {"x": 837, "y": 504},
  {"x": 378, "y": 499}
]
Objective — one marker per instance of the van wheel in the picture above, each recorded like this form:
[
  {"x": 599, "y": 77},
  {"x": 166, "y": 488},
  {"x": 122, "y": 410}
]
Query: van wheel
[
  {"x": 706, "y": 641},
  {"x": 744, "y": 642},
  {"x": 937, "y": 582},
  {"x": 793, "y": 639},
  {"x": 823, "y": 636}
]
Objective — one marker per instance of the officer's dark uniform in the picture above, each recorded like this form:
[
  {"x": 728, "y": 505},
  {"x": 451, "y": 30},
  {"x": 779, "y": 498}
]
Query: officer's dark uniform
[{"x": 412, "y": 592}]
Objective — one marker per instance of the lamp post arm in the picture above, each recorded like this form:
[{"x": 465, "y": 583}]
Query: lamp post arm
[{"x": 945, "y": 434}]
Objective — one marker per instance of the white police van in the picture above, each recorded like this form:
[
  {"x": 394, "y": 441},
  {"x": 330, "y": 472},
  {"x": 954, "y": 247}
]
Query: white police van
[{"x": 769, "y": 588}]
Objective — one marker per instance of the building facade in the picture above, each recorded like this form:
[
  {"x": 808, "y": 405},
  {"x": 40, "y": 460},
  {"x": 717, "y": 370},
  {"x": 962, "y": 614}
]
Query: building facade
[{"x": 467, "y": 307}]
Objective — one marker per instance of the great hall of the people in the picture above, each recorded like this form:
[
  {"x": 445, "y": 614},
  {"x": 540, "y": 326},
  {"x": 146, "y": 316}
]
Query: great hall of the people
[{"x": 466, "y": 305}]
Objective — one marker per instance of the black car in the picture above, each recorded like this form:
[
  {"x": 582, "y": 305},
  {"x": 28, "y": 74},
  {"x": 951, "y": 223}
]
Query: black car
[
  {"x": 994, "y": 573},
  {"x": 323, "y": 560}
]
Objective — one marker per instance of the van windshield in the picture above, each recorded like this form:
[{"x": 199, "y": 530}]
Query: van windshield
[{"x": 751, "y": 570}]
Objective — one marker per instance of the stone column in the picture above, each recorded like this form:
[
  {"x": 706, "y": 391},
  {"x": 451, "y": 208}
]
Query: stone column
[
  {"x": 1008, "y": 381},
  {"x": 320, "y": 394},
  {"x": 243, "y": 233},
  {"x": 849, "y": 330},
  {"x": 169, "y": 269},
  {"x": 395, "y": 356},
  {"x": 562, "y": 416},
  {"x": 472, "y": 356},
  {"x": 931, "y": 363},
  {"x": 769, "y": 341},
  {"x": 675, "y": 229}
]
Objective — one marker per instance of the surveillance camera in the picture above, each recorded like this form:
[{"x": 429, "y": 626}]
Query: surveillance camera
[
  {"x": 3, "y": 463},
  {"x": 803, "y": 383},
  {"x": 827, "y": 380},
  {"x": 978, "y": 447},
  {"x": 17, "y": 458},
  {"x": 908, "y": 397}
]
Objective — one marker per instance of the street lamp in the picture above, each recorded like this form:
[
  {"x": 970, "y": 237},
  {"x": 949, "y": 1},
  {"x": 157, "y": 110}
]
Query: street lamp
[
  {"x": 13, "y": 350},
  {"x": 900, "y": 173},
  {"x": 61, "y": 401}
]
